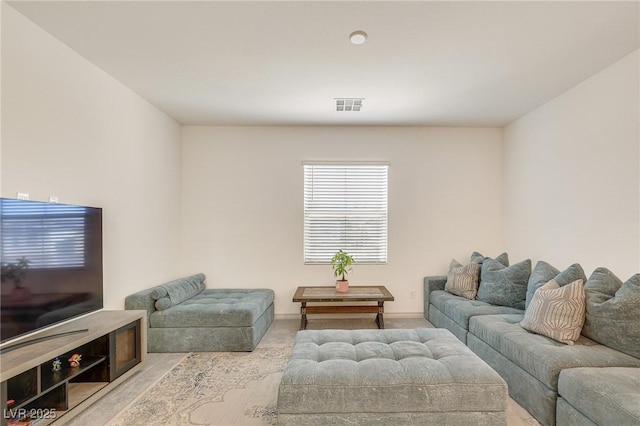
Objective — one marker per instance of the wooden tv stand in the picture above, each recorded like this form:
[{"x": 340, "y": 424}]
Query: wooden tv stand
[{"x": 112, "y": 349}]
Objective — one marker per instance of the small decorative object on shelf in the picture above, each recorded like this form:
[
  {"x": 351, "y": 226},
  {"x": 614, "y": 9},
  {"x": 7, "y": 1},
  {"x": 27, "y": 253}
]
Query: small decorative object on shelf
[
  {"x": 341, "y": 264},
  {"x": 74, "y": 361},
  {"x": 56, "y": 365},
  {"x": 12, "y": 422}
]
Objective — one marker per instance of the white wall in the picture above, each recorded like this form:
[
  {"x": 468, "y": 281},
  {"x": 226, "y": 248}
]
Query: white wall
[
  {"x": 571, "y": 179},
  {"x": 72, "y": 131},
  {"x": 243, "y": 208}
]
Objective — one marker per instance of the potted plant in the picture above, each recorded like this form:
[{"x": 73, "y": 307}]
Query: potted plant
[
  {"x": 341, "y": 263},
  {"x": 14, "y": 272}
]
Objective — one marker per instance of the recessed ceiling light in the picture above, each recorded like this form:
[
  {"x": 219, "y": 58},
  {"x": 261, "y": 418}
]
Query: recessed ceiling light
[{"x": 358, "y": 37}]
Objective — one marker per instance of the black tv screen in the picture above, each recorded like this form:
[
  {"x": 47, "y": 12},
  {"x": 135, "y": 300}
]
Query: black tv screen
[{"x": 51, "y": 261}]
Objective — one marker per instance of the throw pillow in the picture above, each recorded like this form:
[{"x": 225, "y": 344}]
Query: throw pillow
[
  {"x": 504, "y": 285},
  {"x": 184, "y": 288},
  {"x": 557, "y": 312},
  {"x": 503, "y": 258},
  {"x": 158, "y": 293},
  {"x": 613, "y": 311},
  {"x": 543, "y": 273},
  {"x": 163, "y": 303},
  {"x": 462, "y": 280},
  {"x": 478, "y": 258}
]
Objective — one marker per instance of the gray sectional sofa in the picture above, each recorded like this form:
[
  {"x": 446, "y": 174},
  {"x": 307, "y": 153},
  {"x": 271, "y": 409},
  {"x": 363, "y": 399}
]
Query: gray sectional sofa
[
  {"x": 184, "y": 316},
  {"x": 595, "y": 380}
]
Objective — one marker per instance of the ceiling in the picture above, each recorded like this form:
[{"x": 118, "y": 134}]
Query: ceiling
[{"x": 283, "y": 63}]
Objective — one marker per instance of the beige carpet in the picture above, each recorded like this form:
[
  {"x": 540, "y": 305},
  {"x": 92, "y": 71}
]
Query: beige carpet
[{"x": 214, "y": 388}]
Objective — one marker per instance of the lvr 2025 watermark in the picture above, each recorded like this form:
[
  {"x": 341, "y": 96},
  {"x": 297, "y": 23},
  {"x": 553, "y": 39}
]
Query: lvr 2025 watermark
[{"x": 29, "y": 413}]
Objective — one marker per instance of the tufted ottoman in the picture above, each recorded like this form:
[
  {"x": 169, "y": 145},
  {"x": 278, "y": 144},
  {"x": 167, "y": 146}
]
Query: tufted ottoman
[{"x": 399, "y": 377}]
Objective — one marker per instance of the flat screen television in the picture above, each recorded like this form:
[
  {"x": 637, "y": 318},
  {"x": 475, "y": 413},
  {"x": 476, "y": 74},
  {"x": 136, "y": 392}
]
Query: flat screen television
[{"x": 51, "y": 262}]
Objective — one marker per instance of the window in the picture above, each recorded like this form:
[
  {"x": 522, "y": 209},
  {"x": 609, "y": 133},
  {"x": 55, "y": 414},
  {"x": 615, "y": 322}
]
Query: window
[
  {"x": 345, "y": 207},
  {"x": 47, "y": 235}
]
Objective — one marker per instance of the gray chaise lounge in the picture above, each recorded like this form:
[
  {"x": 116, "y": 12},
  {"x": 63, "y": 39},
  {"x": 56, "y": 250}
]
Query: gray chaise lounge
[{"x": 184, "y": 316}]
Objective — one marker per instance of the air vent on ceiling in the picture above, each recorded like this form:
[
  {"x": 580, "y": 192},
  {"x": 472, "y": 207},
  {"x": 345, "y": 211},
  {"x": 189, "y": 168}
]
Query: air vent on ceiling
[{"x": 349, "y": 104}]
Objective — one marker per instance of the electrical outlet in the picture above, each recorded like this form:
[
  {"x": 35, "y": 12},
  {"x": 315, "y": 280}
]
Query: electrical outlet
[
  {"x": 23, "y": 196},
  {"x": 53, "y": 199},
  {"x": 412, "y": 294}
]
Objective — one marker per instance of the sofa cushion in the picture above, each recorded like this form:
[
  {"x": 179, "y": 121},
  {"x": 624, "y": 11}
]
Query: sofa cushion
[
  {"x": 504, "y": 285},
  {"x": 460, "y": 310},
  {"x": 216, "y": 308},
  {"x": 177, "y": 291},
  {"x": 463, "y": 280},
  {"x": 540, "y": 356},
  {"x": 543, "y": 273},
  {"x": 607, "y": 396},
  {"x": 613, "y": 311},
  {"x": 556, "y": 312}
]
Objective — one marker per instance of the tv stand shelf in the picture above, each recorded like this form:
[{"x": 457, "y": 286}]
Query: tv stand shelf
[{"x": 112, "y": 345}]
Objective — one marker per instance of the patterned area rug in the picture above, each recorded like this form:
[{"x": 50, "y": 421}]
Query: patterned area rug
[{"x": 214, "y": 388}]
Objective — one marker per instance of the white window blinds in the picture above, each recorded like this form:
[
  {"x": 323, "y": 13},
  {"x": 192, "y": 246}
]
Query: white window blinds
[{"x": 345, "y": 207}]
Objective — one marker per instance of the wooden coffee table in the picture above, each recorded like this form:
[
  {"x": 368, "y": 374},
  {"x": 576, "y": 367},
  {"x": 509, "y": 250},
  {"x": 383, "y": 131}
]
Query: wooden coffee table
[{"x": 378, "y": 294}]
